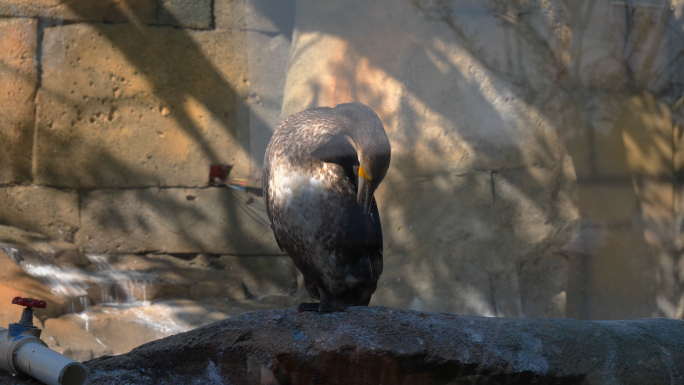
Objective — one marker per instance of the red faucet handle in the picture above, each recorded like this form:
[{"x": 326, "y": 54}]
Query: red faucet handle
[{"x": 29, "y": 302}]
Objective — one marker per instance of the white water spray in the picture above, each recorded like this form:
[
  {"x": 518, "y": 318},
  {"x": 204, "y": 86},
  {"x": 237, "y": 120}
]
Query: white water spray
[
  {"x": 74, "y": 283},
  {"x": 123, "y": 293}
]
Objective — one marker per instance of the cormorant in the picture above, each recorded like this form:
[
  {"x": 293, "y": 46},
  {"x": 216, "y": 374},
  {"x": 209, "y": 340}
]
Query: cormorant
[{"x": 321, "y": 169}]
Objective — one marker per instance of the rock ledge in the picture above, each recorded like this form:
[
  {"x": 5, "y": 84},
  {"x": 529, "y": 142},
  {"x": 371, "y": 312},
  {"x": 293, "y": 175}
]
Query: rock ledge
[{"x": 379, "y": 345}]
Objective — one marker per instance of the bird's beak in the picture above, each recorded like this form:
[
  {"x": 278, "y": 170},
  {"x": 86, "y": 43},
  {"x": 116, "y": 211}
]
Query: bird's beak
[{"x": 365, "y": 191}]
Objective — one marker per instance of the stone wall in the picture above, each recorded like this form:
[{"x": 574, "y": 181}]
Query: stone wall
[
  {"x": 532, "y": 143},
  {"x": 113, "y": 114},
  {"x": 623, "y": 138},
  {"x": 535, "y": 167},
  {"x": 480, "y": 185}
]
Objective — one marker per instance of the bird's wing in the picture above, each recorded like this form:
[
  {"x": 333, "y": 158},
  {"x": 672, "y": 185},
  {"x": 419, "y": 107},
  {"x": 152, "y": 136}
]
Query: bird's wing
[
  {"x": 364, "y": 234},
  {"x": 266, "y": 175},
  {"x": 339, "y": 151},
  {"x": 375, "y": 247},
  {"x": 362, "y": 246}
]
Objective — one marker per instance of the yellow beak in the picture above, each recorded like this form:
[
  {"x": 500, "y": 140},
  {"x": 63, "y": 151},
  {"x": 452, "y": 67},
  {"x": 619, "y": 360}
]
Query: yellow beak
[{"x": 365, "y": 191}]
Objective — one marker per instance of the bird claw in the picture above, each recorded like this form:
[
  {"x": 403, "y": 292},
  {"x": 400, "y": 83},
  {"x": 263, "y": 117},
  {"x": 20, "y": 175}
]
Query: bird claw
[
  {"x": 327, "y": 307},
  {"x": 307, "y": 306},
  {"x": 320, "y": 307}
]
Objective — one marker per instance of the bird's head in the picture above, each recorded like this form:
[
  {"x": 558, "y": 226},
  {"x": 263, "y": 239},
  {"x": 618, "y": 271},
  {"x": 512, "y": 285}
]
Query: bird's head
[{"x": 372, "y": 147}]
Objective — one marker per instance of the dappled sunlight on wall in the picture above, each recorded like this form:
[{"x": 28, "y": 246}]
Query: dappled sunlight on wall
[{"x": 479, "y": 186}]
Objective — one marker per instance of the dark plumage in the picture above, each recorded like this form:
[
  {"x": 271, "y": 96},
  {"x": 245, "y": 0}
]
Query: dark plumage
[{"x": 321, "y": 169}]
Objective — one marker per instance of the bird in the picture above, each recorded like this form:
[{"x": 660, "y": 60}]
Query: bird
[{"x": 321, "y": 169}]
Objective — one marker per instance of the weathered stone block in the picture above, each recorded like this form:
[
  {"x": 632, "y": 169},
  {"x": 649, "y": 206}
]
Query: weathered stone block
[
  {"x": 677, "y": 45},
  {"x": 441, "y": 114},
  {"x": 627, "y": 200},
  {"x": 632, "y": 136},
  {"x": 543, "y": 286},
  {"x": 185, "y": 13},
  {"x": 678, "y": 204},
  {"x": 268, "y": 37},
  {"x": 610, "y": 268},
  {"x": 229, "y": 14},
  {"x": 262, "y": 33},
  {"x": 596, "y": 136},
  {"x": 653, "y": 44},
  {"x": 539, "y": 202},
  {"x": 179, "y": 13},
  {"x": 263, "y": 276},
  {"x": 460, "y": 248},
  {"x": 268, "y": 16},
  {"x": 212, "y": 220},
  {"x": 133, "y": 106},
  {"x": 484, "y": 30},
  {"x": 18, "y": 82},
  {"x": 616, "y": 44},
  {"x": 453, "y": 254},
  {"x": 81, "y": 10},
  {"x": 609, "y": 203},
  {"x": 598, "y": 43},
  {"x": 43, "y": 210}
]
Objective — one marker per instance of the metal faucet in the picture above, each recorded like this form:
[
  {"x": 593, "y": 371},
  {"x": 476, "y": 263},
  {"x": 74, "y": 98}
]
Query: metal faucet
[{"x": 22, "y": 351}]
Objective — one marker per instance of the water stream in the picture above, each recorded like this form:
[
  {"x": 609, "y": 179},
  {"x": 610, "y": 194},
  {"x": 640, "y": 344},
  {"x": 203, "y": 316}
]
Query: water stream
[
  {"x": 117, "y": 287},
  {"x": 122, "y": 292}
]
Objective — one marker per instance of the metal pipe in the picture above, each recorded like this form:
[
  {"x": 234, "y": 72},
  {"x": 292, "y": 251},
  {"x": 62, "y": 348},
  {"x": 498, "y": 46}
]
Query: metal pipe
[
  {"x": 39, "y": 361},
  {"x": 26, "y": 354}
]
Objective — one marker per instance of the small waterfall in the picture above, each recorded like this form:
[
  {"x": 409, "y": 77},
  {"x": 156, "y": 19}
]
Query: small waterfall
[
  {"x": 86, "y": 318},
  {"x": 130, "y": 282},
  {"x": 164, "y": 319},
  {"x": 64, "y": 282},
  {"x": 123, "y": 292},
  {"x": 117, "y": 287}
]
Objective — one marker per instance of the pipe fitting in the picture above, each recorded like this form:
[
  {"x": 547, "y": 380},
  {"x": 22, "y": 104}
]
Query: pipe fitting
[{"x": 23, "y": 352}]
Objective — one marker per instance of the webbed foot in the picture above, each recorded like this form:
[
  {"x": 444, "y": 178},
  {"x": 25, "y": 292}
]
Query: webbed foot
[
  {"x": 329, "y": 307},
  {"x": 323, "y": 307},
  {"x": 308, "y": 306}
]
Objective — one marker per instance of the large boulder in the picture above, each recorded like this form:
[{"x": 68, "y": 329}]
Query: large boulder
[{"x": 379, "y": 345}]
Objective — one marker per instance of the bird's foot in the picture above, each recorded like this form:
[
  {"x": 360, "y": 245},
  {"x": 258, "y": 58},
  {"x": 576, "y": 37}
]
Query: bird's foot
[
  {"x": 323, "y": 307},
  {"x": 308, "y": 306},
  {"x": 329, "y": 307}
]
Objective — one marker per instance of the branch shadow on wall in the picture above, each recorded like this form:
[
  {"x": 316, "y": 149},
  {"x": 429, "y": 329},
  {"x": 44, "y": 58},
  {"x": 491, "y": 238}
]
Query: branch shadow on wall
[
  {"x": 173, "y": 88},
  {"x": 479, "y": 206},
  {"x": 179, "y": 73},
  {"x": 465, "y": 198}
]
